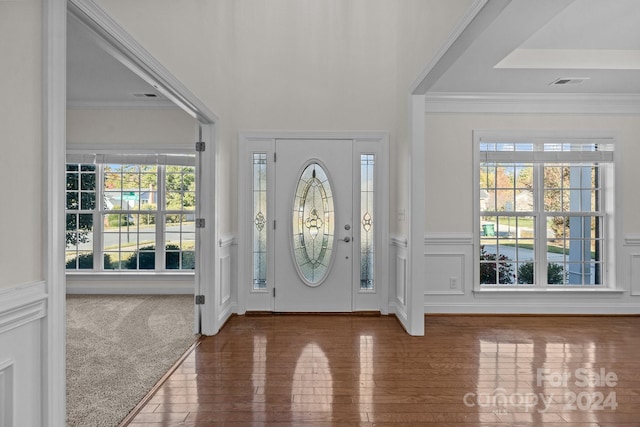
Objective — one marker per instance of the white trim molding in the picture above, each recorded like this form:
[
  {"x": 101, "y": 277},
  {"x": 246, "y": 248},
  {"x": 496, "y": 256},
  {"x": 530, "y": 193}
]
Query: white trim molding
[
  {"x": 124, "y": 105},
  {"x": 23, "y": 356},
  {"x": 477, "y": 18},
  {"x": 634, "y": 272},
  {"x": 431, "y": 238},
  {"x": 398, "y": 241},
  {"x": 632, "y": 239},
  {"x": 522, "y": 103},
  {"x": 21, "y": 305},
  {"x": 52, "y": 400},
  {"x": 227, "y": 240},
  {"x": 7, "y": 391},
  {"x": 511, "y": 307}
]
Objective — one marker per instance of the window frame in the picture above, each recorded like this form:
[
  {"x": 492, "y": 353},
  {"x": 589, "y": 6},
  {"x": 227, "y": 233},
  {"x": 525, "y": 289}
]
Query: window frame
[
  {"x": 163, "y": 158},
  {"x": 607, "y": 190}
]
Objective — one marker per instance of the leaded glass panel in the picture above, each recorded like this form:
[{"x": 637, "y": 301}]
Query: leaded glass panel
[
  {"x": 367, "y": 164},
  {"x": 313, "y": 224},
  {"x": 259, "y": 221}
]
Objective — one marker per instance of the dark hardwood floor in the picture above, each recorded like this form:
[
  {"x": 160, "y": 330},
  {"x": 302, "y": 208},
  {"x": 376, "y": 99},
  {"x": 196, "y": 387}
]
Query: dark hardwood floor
[{"x": 466, "y": 371}]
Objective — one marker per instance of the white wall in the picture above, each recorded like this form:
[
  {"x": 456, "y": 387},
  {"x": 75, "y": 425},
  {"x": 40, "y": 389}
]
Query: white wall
[
  {"x": 151, "y": 127},
  {"x": 294, "y": 65},
  {"x": 449, "y": 161},
  {"x": 449, "y": 218},
  {"x": 423, "y": 27},
  {"x": 21, "y": 133},
  {"x": 22, "y": 291}
]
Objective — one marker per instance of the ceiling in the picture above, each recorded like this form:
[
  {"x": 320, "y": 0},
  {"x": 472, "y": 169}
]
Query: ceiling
[
  {"x": 531, "y": 44},
  {"x": 96, "y": 79},
  {"x": 528, "y": 45}
]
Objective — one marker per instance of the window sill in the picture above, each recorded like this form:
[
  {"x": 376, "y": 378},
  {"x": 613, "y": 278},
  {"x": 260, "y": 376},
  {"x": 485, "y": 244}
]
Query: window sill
[
  {"x": 554, "y": 290},
  {"x": 102, "y": 275}
]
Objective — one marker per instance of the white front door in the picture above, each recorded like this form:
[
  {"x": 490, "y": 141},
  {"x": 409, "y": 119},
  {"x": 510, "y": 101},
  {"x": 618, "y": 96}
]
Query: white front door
[{"x": 314, "y": 226}]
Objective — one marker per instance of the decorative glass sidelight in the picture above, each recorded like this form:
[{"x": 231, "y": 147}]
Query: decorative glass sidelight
[
  {"x": 367, "y": 164},
  {"x": 259, "y": 221},
  {"x": 313, "y": 225}
]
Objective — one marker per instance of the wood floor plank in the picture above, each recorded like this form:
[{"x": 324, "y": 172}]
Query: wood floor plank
[{"x": 366, "y": 371}]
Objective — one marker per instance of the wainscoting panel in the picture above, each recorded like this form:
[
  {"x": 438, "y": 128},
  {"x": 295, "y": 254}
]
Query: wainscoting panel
[
  {"x": 225, "y": 278},
  {"x": 448, "y": 265},
  {"x": 450, "y": 260},
  {"x": 228, "y": 299},
  {"x": 401, "y": 279},
  {"x": 398, "y": 273},
  {"x": 635, "y": 274},
  {"x": 444, "y": 274},
  {"x": 22, "y": 310},
  {"x": 6, "y": 393}
]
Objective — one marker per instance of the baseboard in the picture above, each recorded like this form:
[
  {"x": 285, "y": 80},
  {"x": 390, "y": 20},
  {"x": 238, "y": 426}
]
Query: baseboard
[
  {"x": 427, "y": 315},
  {"x": 533, "y": 309},
  {"x": 103, "y": 290},
  {"x": 364, "y": 313}
]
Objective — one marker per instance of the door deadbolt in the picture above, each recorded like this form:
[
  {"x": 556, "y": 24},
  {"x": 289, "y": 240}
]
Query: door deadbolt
[{"x": 347, "y": 227}]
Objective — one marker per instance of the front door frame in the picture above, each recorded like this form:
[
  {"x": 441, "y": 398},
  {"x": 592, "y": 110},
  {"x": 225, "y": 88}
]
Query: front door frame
[{"x": 264, "y": 142}]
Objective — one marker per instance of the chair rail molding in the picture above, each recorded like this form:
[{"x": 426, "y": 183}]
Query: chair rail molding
[
  {"x": 448, "y": 238},
  {"x": 22, "y": 304}
]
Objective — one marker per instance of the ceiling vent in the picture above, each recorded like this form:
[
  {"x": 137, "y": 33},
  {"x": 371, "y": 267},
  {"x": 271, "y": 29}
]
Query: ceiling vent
[
  {"x": 568, "y": 81},
  {"x": 145, "y": 95}
]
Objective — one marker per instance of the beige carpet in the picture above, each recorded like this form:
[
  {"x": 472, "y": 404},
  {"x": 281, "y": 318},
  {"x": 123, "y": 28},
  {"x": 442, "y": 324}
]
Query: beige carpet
[{"x": 118, "y": 347}]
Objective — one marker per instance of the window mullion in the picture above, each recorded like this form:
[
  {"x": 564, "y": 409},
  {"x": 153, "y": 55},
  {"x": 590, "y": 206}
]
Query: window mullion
[
  {"x": 98, "y": 224},
  {"x": 160, "y": 219},
  {"x": 540, "y": 233}
]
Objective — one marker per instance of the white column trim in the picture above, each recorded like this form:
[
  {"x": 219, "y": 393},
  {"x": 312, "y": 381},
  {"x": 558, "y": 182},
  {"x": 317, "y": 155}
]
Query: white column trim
[
  {"x": 414, "y": 321},
  {"x": 207, "y": 281},
  {"x": 54, "y": 65}
]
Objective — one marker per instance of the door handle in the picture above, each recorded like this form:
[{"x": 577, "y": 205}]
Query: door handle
[{"x": 346, "y": 239}]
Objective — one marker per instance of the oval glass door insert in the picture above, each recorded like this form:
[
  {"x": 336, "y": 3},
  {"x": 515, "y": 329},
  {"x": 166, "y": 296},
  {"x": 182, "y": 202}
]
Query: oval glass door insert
[{"x": 313, "y": 225}]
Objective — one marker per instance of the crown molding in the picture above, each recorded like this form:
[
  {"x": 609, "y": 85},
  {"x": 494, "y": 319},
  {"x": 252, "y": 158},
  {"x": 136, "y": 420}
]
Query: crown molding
[
  {"x": 523, "y": 103},
  {"x": 121, "y": 105}
]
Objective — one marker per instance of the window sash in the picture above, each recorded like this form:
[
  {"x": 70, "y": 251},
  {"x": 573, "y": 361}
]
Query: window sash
[{"x": 542, "y": 263}]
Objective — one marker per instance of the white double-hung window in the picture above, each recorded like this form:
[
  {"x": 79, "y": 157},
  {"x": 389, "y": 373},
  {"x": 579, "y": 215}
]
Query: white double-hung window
[
  {"x": 544, "y": 211},
  {"x": 131, "y": 212}
]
